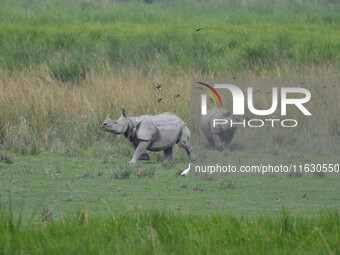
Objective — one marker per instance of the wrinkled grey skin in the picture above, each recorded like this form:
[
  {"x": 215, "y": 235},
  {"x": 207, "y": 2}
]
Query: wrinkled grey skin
[
  {"x": 219, "y": 137},
  {"x": 153, "y": 133}
]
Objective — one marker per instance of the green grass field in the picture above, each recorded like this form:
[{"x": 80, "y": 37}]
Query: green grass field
[
  {"x": 97, "y": 204},
  {"x": 65, "y": 186},
  {"x": 97, "y": 181}
]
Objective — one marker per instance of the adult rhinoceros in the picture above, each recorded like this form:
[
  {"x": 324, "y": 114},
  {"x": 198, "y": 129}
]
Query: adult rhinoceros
[
  {"x": 220, "y": 136},
  {"x": 153, "y": 133}
]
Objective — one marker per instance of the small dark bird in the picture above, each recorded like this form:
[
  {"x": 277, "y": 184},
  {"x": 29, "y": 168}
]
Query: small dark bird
[
  {"x": 211, "y": 101},
  {"x": 302, "y": 82},
  {"x": 55, "y": 176},
  {"x": 199, "y": 29},
  {"x": 177, "y": 95},
  {"x": 305, "y": 195},
  {"x": 234, "y": 77},
  {"x": 159, "y": 87},
  {"x": 268, "y": 92},
  {"x": 257, "y": 91},
  {"x": 324, "y": 86},
  {"x": 160, "y": 100}
]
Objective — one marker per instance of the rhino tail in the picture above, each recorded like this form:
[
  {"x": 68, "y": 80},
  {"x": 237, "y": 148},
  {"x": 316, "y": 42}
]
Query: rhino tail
[{"x": 189, "y": 124}]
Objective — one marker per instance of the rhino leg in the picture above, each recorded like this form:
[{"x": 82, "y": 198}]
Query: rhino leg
[
  {"x": 228, "y": 139},
  {"x": 168, "y": 154},
  {"x": 144, "y": 156},
  {"x": 141, "y": 147},
  {"x": 211, "y": 144},
  {"x": 185, "y": 142},
  {"x": 218, "y": 142}
]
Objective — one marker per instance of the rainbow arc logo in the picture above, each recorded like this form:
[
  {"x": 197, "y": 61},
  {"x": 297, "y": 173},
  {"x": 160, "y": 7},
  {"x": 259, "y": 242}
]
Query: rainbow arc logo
[{"x": 209, "y": 93}]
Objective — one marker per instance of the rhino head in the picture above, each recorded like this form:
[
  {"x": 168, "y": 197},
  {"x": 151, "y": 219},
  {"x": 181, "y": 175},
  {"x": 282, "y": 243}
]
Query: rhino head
[{"x": 116, "y": 126}]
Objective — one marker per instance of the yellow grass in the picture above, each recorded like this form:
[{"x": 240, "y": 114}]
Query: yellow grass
[{"x": 38, "y": 107}]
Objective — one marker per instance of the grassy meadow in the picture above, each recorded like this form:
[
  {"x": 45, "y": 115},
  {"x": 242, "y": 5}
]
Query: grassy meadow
[
  {"x": 93, "y": 202},
  {"x": 64, "y": 65}
]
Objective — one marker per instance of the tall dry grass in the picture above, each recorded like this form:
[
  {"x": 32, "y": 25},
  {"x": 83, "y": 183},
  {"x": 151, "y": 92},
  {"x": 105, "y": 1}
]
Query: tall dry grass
[
  {"x": 40, "y": 111},
  {"x": 39, "y": 108}
]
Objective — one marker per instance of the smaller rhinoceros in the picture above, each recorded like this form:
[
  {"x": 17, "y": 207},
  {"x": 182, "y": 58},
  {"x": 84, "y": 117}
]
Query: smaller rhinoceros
[
  {"x": 153, "y": 133},
  {"x": 220, "y": 136}
]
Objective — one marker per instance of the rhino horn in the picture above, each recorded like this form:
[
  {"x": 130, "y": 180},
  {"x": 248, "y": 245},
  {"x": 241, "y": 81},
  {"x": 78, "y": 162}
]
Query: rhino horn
[{"x": 123, "y": 113}]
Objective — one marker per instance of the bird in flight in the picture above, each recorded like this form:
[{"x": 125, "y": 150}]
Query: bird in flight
[
  {"x": 160, "y": 100},
  {"x": 186, "y": 171},
  {"x": 159, "y": 87}
]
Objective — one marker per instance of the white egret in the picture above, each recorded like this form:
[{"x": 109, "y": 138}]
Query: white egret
[{"x": 186, "y": 171}]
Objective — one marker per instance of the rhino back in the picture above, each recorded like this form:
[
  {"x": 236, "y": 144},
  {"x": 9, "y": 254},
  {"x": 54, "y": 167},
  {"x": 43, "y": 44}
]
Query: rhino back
[
  {"x": 167, "y": 128},
  {"x": 166, "y": 120}
]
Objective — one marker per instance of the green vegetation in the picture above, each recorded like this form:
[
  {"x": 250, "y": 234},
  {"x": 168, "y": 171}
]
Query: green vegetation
[
  {"x": 65, "y": 65},
  {"x": 76, "y": 203},
  {"x": 95, "y": 178},
  {"x": 169, "y": 12},
  {"x": 76, "y": 35},
  {"x": 166, "y": 233},
  {"x": 64, "y": 183},
  {"x": 221, "y": 49}
]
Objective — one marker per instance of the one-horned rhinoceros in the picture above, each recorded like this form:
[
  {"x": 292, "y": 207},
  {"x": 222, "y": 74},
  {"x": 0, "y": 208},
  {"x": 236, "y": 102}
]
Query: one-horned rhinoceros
[
  {"x": 153, "y": 133},
  {"x": 220, "y": 136}
]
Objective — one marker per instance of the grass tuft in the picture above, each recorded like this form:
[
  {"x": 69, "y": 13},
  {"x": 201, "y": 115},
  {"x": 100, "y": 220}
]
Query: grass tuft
[
  {"x": 87, "y": 174},
  {"x": 6, "y": 159},
  {"x": 198, "y": 187},
  {"x": 149, "y": 172},
  {"x": 123, "y": 172},
  {"x": 227, "y": 185},
  {"x": 47, "y": 214},
  {"x": 168, "y": 164}
]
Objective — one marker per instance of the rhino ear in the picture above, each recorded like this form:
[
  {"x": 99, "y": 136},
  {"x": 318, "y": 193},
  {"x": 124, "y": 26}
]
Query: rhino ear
[
  {"x": 122, "y": 114},
  {"x": 108, "y": 116}
]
